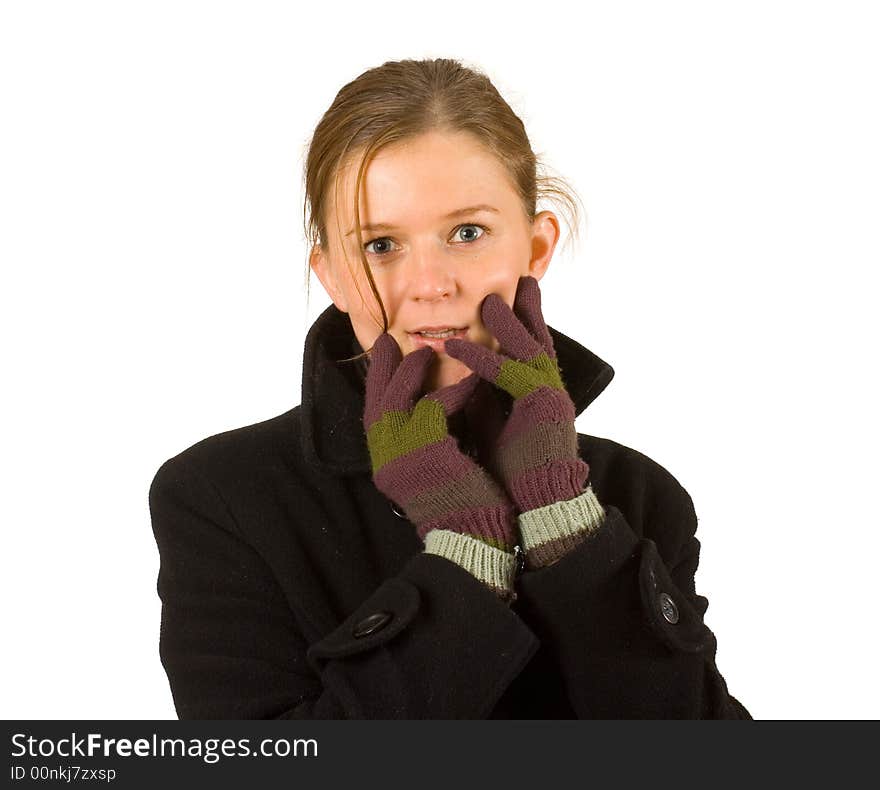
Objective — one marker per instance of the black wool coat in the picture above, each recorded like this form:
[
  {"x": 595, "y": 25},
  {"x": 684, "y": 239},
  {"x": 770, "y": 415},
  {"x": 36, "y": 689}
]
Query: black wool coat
[{"x": 292, "y": 588}]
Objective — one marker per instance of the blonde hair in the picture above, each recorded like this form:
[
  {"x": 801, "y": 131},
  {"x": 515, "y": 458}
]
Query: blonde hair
[{"x": 406, "y": 98}]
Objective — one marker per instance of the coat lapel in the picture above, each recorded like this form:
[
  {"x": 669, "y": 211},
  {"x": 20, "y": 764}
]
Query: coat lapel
[{"x": 333, "y": 397}]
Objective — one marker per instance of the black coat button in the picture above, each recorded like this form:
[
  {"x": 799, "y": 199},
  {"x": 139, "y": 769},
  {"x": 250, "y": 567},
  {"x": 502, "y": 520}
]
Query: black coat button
[
  {"x": 369, "y": 625},
  {"x": 668, "y": 608}
]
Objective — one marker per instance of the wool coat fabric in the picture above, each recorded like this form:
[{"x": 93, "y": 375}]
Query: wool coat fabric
[{"x": 292, "y": 588}]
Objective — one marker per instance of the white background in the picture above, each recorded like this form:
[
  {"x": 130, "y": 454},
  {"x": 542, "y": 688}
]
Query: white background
[{"x": 153, "y": 265}]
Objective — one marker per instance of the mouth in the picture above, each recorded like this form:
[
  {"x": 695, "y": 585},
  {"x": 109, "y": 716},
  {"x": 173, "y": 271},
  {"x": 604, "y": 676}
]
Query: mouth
[{"x": 436, "y": 337}]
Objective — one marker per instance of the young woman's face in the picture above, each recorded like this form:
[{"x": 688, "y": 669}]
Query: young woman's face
[{"x": 434, "y": 255}]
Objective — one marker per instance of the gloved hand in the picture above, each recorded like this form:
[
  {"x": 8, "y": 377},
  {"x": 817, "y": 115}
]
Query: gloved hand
[
  {"x": 535, "y": 452},
  {"x": 458, "y": 509}
]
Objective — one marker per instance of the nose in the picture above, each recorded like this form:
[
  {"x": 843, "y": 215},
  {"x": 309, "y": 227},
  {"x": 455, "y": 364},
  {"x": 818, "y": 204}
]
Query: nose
[{"x": 431, "y": 276}]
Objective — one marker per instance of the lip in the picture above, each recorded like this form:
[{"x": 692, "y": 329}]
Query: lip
[
  {"x": 435, "y": 328},
  {"x": 437, "y": 343}
]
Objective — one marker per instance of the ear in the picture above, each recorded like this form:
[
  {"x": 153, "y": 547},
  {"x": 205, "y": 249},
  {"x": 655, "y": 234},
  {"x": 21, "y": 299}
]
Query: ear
[
  {"x": 545, "y": 234},
  {"x": 322, "y": 266}
]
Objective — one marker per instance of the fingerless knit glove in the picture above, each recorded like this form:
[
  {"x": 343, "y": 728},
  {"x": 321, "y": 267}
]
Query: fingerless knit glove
[
  {"x": 536, "y": 451},
  {"x": 458, "y": 510}
]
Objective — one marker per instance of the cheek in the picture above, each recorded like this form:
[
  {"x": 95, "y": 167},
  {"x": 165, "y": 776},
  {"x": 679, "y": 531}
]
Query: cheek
[
  {"x": 501, "y": 281},
  {"x": 500, "y": 274},
  {"x": 363, "y": 307}
]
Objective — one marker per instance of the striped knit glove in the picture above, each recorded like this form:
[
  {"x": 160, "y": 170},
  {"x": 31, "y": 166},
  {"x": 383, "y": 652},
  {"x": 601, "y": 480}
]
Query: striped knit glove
[
  {"x": 536, "y": 450},
  {"x": 458, "y": 510}
]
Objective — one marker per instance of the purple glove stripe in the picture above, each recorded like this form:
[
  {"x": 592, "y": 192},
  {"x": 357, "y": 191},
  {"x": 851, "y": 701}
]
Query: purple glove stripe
[
  {"x": 383, "y": 361},
  {"x": 455, "y": 396},
  {"x": 420, "y": 467},
  {"x": 545, "y": 404},
  {"x": 405, "y": 388},
  {"x": 527, "y": 307},
  {"x": 559, "y": 481},
  {"x": 497, "y": 523},
  {"x": 514, "y": 338},
  {"x": 485, "y": 362},
  {"x": 423, "y": 469}
]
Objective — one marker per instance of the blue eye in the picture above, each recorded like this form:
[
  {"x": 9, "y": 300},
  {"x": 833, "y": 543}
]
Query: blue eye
[
  {"x": 482, "y": 229},
  {"x": 374, "y": 241},
  {"x": 384, "y": 240}
]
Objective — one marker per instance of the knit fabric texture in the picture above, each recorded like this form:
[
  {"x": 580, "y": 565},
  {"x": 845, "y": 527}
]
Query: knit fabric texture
[
  {"x": 550, "y": 532},
  {"x": 418, "y": 465},
  {"x": 534, "y": 451}
]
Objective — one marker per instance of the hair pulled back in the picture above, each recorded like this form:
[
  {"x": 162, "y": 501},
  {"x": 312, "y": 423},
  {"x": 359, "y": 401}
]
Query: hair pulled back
[{"x": 403, "y": 99}]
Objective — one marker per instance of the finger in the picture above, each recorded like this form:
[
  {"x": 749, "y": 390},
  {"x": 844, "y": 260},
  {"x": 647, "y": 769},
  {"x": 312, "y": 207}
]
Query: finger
[
  {"x": 514, "y": 338},
  {"x": 406, "y": 384},
  {"x": 479, "y": 359},
  {"x": 384, "y": 359},
  {"x": 455, "y": 396},
  {"x": 527, "y": 307}
]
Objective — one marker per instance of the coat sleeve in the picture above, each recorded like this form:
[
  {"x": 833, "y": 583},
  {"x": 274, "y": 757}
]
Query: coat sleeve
[
  {"x": 624, "y": 618},
  {"x": 431, "y": 642}
]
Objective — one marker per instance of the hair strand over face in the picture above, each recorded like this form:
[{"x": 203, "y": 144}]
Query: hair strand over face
[{"x": 400, "y": 100}]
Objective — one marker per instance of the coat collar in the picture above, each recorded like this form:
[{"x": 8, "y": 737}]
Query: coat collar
[{"x": 332, "y": 410}]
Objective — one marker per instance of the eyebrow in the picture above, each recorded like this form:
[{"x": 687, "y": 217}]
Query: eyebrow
[{"x": 451, "y": 215}]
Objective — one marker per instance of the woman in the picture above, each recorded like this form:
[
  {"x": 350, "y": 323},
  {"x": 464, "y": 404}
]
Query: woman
[{"x": 427, "y": 535}]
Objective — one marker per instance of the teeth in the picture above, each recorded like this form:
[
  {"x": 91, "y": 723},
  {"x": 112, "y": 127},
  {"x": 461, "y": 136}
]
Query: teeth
[{"x": 447, "y": 333}]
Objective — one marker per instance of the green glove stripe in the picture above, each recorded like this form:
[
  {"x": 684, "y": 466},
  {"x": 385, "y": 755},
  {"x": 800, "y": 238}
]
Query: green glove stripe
[
  {"x": 520, "y": 378},
  {"x": 397, "y": 433}
]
